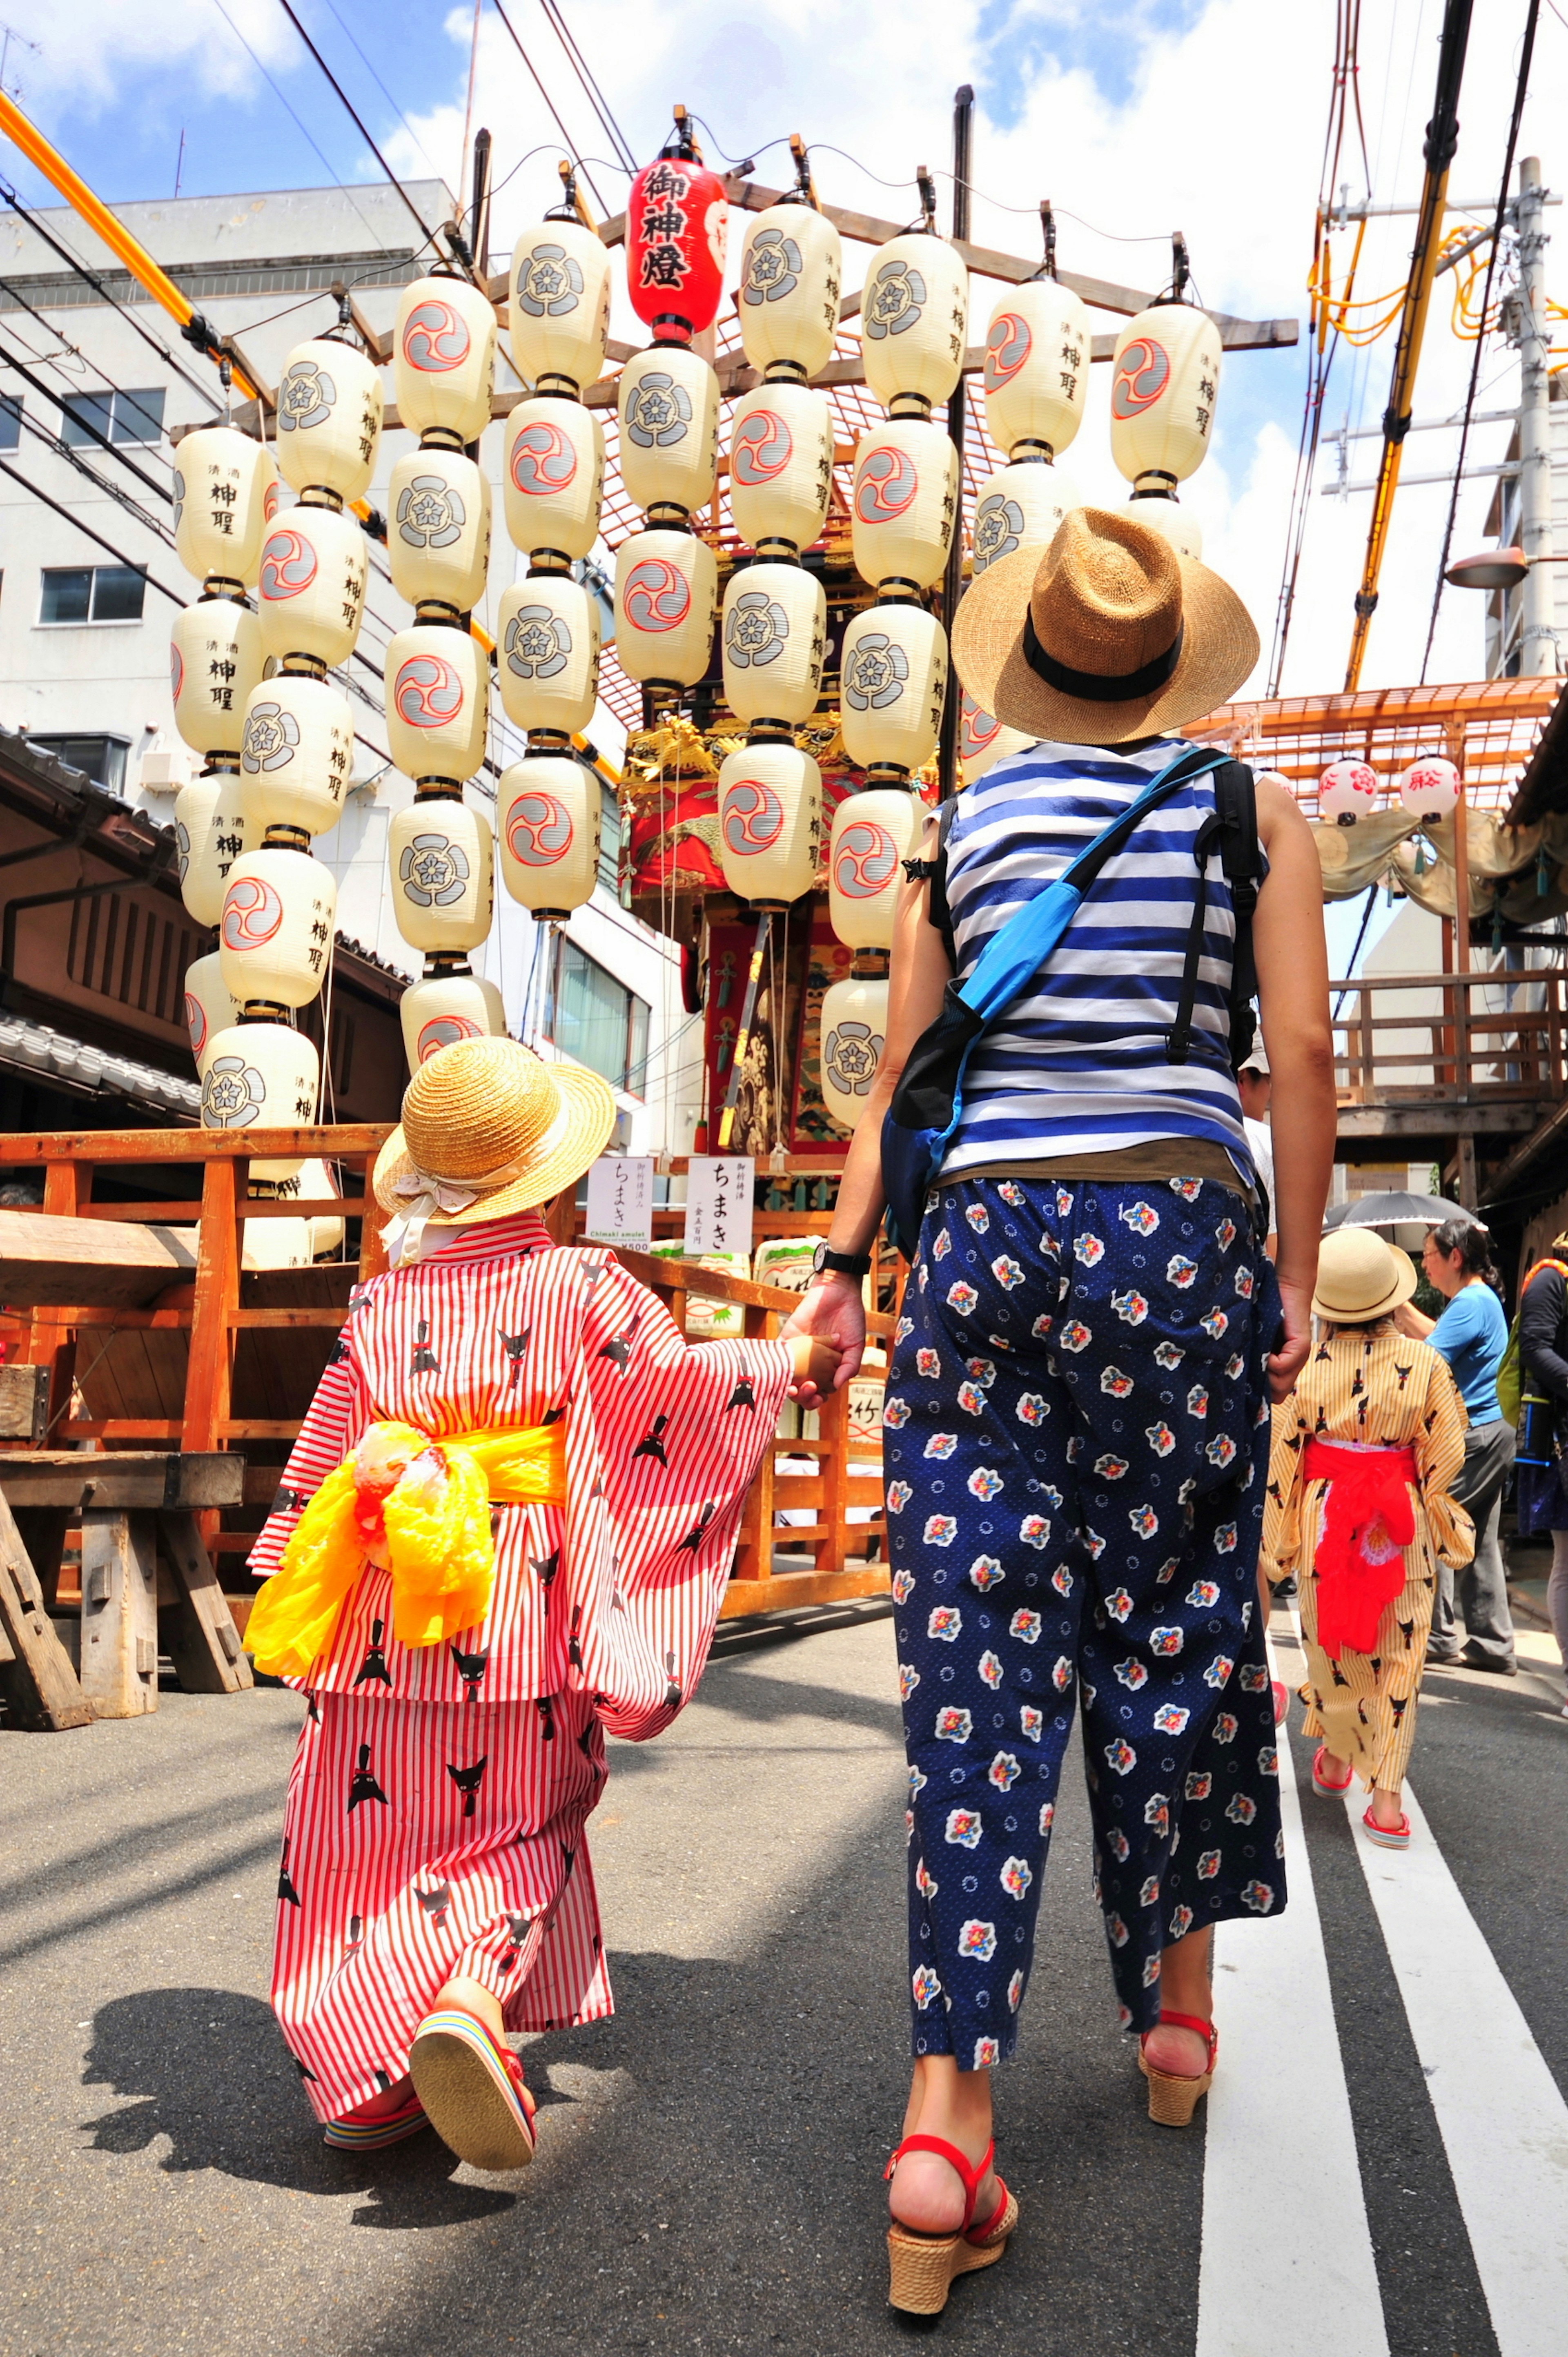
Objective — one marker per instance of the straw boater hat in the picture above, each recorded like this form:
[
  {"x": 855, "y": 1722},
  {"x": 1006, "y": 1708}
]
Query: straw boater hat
[
  {"x": 487, "y": 1129},
  {"x": 1361, "y": 1278},
  {"x": 1107, "y": 636}
]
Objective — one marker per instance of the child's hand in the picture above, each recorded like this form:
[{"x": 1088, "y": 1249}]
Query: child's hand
[{"x": 815, "y": 1362}]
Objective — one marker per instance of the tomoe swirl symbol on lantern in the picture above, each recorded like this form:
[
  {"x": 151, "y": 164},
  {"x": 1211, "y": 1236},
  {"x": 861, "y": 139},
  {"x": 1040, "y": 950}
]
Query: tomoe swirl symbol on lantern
[
  {"x": 539, "y": 830},
  {"x": 176, "y": 672},
  {"x": 1007, "y": 347},
  {"x": 427, "y": 691},
  {"x": 252, "y": 912},
  {"x": 434, "y": 339},
  {"x": 886, "y": 485},
  {"x": 1142, "y": 375},
  {"x": 753, "y": 817},
  {"x": 444, "y": 1031},
  {"x": 976, "y": 729},
  {"x": 543, "y": 459},
  {"x": 288, "y": 566},
  {"x": 657, "y": 595},
  {"x": 270, "y": 500},
  {"x": 865, "y": 860},
  {"x": 762, "y": 450},
  {"x": 195, "y": 1023}
]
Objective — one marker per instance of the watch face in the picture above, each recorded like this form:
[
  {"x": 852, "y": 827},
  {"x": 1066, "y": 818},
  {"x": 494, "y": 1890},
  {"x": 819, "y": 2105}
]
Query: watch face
[{"x": 818, "y": 1257}]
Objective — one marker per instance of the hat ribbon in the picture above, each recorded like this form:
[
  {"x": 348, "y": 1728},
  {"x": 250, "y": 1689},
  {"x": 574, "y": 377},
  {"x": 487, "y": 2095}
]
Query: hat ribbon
[
  {"x": 428, "y": 1194},
  {"x": 1100, "y": 687}
]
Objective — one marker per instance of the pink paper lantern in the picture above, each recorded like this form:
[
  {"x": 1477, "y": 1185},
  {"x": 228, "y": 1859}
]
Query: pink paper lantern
[{"x": 1347, "y": 790}]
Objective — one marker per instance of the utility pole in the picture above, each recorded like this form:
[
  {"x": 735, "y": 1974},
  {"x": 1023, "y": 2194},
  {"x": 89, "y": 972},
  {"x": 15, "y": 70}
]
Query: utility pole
[{"x": 1538, "y": 654}]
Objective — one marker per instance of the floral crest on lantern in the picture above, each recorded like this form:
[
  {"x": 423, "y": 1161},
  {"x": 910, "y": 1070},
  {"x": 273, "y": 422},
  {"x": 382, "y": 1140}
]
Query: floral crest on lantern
[
  {"x": 851, "y": 1054},
  {"x": 434, "y": 871},
  {"x": 998, "y": 529},
  {"x": 305, "y": 396},
  {"x": 877, "y": 672},
  {"x": 657, "y": 411},
  {"x": 271, "y": 736},
  {"x": 430, "y": 513},
  {"x": 537, "y": 643},
  {"x": 551, "y": 283},
  {"x": 757, "y": 630},
  {"x": 773, "y": 267},
  {"x": 896, "y": 300},
  {"x": 232, "y": 1093}
]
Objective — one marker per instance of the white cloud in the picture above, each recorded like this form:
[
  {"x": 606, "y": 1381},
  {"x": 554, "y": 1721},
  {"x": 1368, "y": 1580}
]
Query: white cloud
[{"x": 88, "y": 51}]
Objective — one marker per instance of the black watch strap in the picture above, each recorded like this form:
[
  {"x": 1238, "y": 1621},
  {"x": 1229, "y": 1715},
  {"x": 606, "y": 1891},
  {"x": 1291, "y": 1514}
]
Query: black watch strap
[{"x": 840, "y": 1264}]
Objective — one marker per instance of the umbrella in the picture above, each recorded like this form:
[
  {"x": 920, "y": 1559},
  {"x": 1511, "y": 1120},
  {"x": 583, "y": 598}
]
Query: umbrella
[{"x": 1392, "y": 1208}]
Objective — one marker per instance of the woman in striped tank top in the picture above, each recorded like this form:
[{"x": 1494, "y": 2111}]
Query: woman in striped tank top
[{"x": 1077, "y": 1415}]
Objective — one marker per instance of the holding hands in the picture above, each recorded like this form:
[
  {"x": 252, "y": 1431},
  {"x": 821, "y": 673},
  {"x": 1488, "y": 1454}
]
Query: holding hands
[{"x": 826, "y": 1337}]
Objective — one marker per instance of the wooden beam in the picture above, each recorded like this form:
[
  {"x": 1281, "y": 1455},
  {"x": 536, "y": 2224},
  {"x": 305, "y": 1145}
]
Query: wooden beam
[
  {"x": 119, "y": 1614},
  {"x": 42, "y": 1691},
  {"x": 101, "y": 1264},
  {"x": 198, "y": 1627},
  {"x": 210, "y": 1368},
  {"x": 153, "y": 1146},
  {"x": 157, "y": 1480},
  {"x": 787, "y": 1591}
]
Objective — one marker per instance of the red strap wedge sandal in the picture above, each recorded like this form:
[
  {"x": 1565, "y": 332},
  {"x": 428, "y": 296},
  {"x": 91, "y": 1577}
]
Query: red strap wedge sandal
[
  {"x": 1173, "y": 2100},
  {"x": 923, "y": 2267}
]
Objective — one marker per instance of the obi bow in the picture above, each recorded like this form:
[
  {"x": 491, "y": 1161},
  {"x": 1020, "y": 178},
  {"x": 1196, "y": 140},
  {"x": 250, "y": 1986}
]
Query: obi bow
[{"x": 1368, "y": 1521}]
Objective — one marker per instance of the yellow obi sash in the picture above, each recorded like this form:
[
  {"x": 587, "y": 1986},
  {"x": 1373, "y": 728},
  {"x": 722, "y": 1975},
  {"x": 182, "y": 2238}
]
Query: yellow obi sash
[{"x": 432, "y": 1524}]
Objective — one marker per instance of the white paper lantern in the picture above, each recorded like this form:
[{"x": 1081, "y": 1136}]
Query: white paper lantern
[
  {"x": 1163, "y": 514},
  {"x": 438, "y": 702},
  {"x": 775, "y": 632},
  {"x": 215, "y": 660},
  {"x": 260, "y": 1076},
  {"x": 1430, "y": 788},
  {"x": 1038, "y": 347},
  {"x": 1347, "y": 790},
  {"x": 873, "y": 833},
  {"x": 549, "y": 833},
  {"x": 447, "y": 1007},
  {"x": 296, "y": 759},
  {"x": 547, "y": 653},
  {"x": 854, "y": 1033},
  {"x": 211, "y": 832},
  {"x": 555, "y": 479},
  {"x": 983, "y": 741},
  {"x": 1021, "y": 506},
  {"x": 782, "y": 466},
  {"x": 668, "y": 405},
  {"x": 893, "y": 678},
  {"x": 666, "y": 590},
  {"x": 914, "y": 312},
  {"x": 311, "y": 585},
  {"x": 315, "y": 1182},
  {"x": 274, "y": 935},
  {"x": 329, "y": 417},
  {"x": 770, "y": 823},
  {"x": 1163, "y": 384},
  {"x": 438, "y": 529},
  {"x": 904, "y": 504},
  {"x": 791, "y": 275},
  {"x": 559, "y": 306},
  {"x": 225, "y": 490},
  {"x": 210, "y": 1006},
  {"x": 278, "y": 1243},
  {"x": 444, "y": 359},
  {"x": 439, "y": 853}
]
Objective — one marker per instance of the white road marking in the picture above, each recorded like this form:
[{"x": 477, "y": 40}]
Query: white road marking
[
  {"x": 1285, "y": 2239},
  {"x": 1504, "y": 2123}
]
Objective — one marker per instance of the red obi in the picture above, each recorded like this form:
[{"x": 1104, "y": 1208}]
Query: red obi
[{"x": 1368, "y": 1518}]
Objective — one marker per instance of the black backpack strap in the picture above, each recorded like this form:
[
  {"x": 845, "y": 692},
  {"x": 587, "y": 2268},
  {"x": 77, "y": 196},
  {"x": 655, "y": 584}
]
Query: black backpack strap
[
  {"x": 935, "y": 872},
  {"x": 1233, "y": 823}
]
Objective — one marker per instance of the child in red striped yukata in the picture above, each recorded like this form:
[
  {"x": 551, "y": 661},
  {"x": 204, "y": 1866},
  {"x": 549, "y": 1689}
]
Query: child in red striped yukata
[{"x": 504, "y": 1528}]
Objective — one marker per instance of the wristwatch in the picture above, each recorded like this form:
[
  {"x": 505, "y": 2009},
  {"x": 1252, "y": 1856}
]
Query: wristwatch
[{"x": 841, "y": 1263}]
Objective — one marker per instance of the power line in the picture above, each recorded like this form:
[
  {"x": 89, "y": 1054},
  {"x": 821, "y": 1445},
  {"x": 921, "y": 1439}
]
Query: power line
[
  {"x": 320, "y": 155},
  {"x": 349, "y": 31},
  {"x": 293, "y": 15},
  {"x": 549, "y": 105},
  {"x": 595, "y": 96},
  {"x": 8, "y": 359}
]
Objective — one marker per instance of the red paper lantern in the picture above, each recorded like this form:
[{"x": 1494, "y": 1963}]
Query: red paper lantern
[{"x": 677, "y": 223}]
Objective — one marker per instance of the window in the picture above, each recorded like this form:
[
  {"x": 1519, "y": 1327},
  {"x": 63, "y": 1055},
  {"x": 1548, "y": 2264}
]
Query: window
[
  {"x": 598, "y": 1020},
  {"x": 117, "y": 417},
  {"x": 93, "y": 593},
  {"x": 609, "y": 838},
  {"x": 102, "y": 758},
  {"x": 10, "y": 420}
]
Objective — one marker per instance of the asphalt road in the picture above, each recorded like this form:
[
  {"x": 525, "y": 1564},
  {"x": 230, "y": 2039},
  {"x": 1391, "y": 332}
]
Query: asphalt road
[{"x": 709, "y": 2167}]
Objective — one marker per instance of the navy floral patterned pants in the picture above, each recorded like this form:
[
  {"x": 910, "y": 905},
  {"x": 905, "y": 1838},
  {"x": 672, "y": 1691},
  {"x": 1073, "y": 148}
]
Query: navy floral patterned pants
[{"x": 1076, "y": 1447}]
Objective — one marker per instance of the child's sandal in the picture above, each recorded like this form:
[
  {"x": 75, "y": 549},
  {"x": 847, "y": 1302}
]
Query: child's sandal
[{"x": 472, "y": 2089}]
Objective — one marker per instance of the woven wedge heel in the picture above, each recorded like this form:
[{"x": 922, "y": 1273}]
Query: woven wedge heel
[
  {"x": 923, "y": 2268},
  {"x": 1173, "y": 2100}
]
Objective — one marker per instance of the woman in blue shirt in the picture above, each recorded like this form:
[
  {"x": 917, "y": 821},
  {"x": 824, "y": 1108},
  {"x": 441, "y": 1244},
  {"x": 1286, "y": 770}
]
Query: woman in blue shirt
[{"x": 1472, "y": 1334}]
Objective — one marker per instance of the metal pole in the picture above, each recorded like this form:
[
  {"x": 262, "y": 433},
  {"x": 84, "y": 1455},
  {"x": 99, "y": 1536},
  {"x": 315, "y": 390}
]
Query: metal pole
[
  {"x": 1538, "y": 654},
  {"x": 953, "y": 580}
]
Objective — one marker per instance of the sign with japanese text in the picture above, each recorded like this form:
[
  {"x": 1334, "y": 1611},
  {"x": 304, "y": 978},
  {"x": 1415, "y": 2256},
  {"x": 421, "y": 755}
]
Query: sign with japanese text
[
  {"x": 620, "y": 1201},
  {"x": 719, "y": 1203}
]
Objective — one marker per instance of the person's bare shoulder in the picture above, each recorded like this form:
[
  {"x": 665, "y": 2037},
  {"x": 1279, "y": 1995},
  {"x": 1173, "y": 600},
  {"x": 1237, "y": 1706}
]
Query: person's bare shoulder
[{"x": 1279, "y": 815}]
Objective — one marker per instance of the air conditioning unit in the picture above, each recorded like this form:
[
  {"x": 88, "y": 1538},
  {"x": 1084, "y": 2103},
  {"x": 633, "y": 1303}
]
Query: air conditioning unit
[{"x": 165, "y": 772}]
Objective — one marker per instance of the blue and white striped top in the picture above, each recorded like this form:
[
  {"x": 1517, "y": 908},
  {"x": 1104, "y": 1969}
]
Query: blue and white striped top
[{"x": 1078, "y": 1064}]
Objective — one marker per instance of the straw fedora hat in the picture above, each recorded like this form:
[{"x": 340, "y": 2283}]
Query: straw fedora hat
[
  {"x": 1361, "y": 1278},
  {"x": 1107, "y": 636},
  {"x": 489, "y": 1128}
]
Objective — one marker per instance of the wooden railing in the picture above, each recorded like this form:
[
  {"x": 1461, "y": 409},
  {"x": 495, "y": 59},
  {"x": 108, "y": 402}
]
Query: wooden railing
[{"x": 1414, "y": 1038}]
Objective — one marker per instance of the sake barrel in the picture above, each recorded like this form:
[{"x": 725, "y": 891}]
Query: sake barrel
[
  {"x": 438, "y": 529},
  {"x": 311, "y": 585},
  {"x": 853, "y": 1029},
  {"x": 666, "y": 590},
  {"x": 329, "y": 417},
  {"x": 904, "y": 502},
  {"x": 1164, "y": 380},
  {"x": 668, "y": 406},
  {"x": 782, "y": 465},
  {"x": 1020, "y": 507},
  {"x": 296, "y": 759},
  {"x": 555, "y": 478},
  {"x": 262, "y": 1076},
  {"x": 873, "y": 832},
  {"x": 221, "y": 483},
  {"x": 440, "y": 856},
  {"x": 548, "y": 652},
  {"x": 914, "y": 313},
  {"x": 274, "y": 934},
  {"x": 775, "y": 633},
  {"x": 1163, "y": 514},
  {"x": 559, "y": 306},
  {"x": 893, "y": 677},
  {"x": 791, "y": 275},
  {"x": 443, "y": 358},
  {"x": 438, "y": 702},
  {"x": 549, "y": 831},
  {"x": 983, "y": 741},
  {"x": 215, "y": 660},
  {"x": 1038, "y": 347},
  {"x": 677, "y": 226},
  {"x": 770, "y": 823},
  {"x": 211, "y": 832},
  {"x": 447, "y": 1007},
  {"x": 1430, "y": 787},
  {"x": 210, "y": 1006}
]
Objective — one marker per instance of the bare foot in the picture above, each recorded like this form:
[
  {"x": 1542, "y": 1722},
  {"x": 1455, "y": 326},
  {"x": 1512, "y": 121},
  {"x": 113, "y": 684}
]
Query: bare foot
[
  {"x": 1386, "y": 1809},
  {"x": 1186, "y": 1986},
  {"x": 927, "y": 2193},
  {"x": 1181, "y": 2053},
  {"x": 1332, "y": 1769}
]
